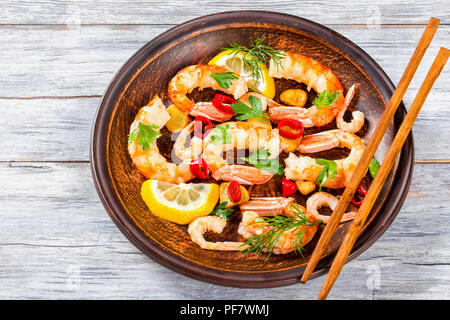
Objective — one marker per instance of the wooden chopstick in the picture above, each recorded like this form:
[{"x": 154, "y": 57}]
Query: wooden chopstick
[
  {"x": 372, "y": 146},
  {"x": 383, "y": 172}
]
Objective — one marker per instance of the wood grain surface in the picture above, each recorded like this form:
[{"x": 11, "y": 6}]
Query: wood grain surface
[{"x": 56, "y": 240}]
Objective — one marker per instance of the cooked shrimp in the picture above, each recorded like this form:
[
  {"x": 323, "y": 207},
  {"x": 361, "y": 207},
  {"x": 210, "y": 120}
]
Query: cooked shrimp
[
  {"x": 151, "y": 163},
  {"x": 320, "y": 199},
  {"x": 321, "y": 141},
  {"x": 309, "y": 71},
  {"x": 198, "y": 76},
  {"x": 305, "y": 168},
  {"x": 242, "y": 174},
  {"x": 243, "y": 136},
  {"x": 358, "y": 117},
  {"x": 253, "y": 225},
  {"x": 265, "y": 102},
  {"x": 195, "y": 144},
  {"x": 199, "y": 226},
  {"x": 278, "y": 113},
  {"x": 268, "y": 206},
  {"x": 208, "y": 110}
]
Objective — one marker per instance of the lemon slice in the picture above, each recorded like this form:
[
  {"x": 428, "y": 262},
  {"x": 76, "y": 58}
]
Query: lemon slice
[
  {"x": 264, "y": 85},
  {"x": 180, "y": 203}
]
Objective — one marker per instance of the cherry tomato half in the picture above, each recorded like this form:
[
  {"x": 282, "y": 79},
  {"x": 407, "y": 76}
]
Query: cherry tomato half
[
  {"x": 202, "y": 126},
  {"x": 222, "y": 102},
  {"x": 234, "y": 191},
  {"x": 288, "y": 187},
  {"x": 199, "y": 168},
  {"x": 290, "y": 128}
]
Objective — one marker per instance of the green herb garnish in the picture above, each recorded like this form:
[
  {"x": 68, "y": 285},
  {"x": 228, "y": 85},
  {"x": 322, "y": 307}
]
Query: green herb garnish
[
  {"x": 326, "y": 98},
  {"x": 145, "y": 135},
  {"x": 374, "y": 166},
  {"x": 256, "y": 53},
  {"x": 267, "y": 241},
  {"x": 260, "y": 159},
  {"x": 221, "y": 212},
  {"x": 221, "y": 135},
  {"x": 328, "y": 172},
  {"x": 245, "y": 112},
  {"x": 224, "y": 79}
]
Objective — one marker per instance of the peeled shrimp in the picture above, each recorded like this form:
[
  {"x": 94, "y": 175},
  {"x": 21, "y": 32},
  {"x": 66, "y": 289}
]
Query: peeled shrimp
[
  {"x": 306, "y": 169},
  {"x": 195, "y": 144},
  {"x": 199, "y": 226},
  {"x": 320, "y": 199},
  {"x": 283, "y": 206},
  {"x": 253, "y": 225},
  {"x": 208, "y": 110},
  {"x": 198, "y": 76},
  {"x": 358, "y": 117},
  {"x": 321, "y": 141},
  {"x": 244, "y": 135},
  {"x": 277, "y": 111},
  {"x": 151, "y": 163},
  {"x": 268, "y": 206},
  {"x": 265, "y": 102},
  {"x": 242, "y": 174},
  {"x": 309, "y": 71}
]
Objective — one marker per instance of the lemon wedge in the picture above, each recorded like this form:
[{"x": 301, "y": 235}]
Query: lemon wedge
[
  {"x": 234, "y": 61},
  {"x": 180, "y": 203},
  {"x": 178, "y": 119}
]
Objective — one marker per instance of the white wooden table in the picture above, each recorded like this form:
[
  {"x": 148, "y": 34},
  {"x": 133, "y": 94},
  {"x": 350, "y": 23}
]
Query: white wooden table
[{"x": 56, "y": 240}]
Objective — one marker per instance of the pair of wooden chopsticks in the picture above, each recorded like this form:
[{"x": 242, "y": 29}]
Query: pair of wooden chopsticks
[{"x": 387, "y": 163}]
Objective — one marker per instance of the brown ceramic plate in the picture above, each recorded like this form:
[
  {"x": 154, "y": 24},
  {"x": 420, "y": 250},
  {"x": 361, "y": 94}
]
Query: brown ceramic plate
[{"x": 148, "y": 72}]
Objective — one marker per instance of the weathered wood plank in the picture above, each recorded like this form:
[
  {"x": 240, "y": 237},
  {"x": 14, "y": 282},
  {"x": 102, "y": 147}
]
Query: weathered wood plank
[
  {"x": 177, "y": 11},
  {"x": 59, "y": 129},
  {"x": 46, "y": 129},
  {"x": 81, "y": 60},
  {"x": 56, "y": 241}
]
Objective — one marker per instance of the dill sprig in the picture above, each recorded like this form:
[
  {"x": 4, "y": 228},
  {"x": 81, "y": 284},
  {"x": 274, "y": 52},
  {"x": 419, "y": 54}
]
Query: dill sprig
[
  {"x": 257, "y": 52},
  {"x": 266, "y": 242}
]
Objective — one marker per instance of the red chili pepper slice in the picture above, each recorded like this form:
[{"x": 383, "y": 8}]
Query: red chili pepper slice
[
  {"x": 362, "y": 192},
  {"x": 202, "y": 126},
  {"x": 357, "y": 203},
  {"x": 222, "y": 102},
  {"x": 290, "y": 128},
  {"x": 288, "y": 187},
  {"x": 199, "y": 168},
  {"x": 234, "y": 191}
]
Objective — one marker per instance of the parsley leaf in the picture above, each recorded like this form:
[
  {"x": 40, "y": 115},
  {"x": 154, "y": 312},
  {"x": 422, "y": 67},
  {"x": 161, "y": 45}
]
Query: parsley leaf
[
  {"x": 329, "y": 171},
  {"x": 374, "y": 166},
  {"x": 224, "y": 79},
  {"x": 221, "y": 212},
  {"x": 245, "y": 112},
  {"x": 145, "y": 135},
  {"x": 222, "y": 135},
  {"x": 260, "y": 159},
  {"x": 326, "y": 98}
]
